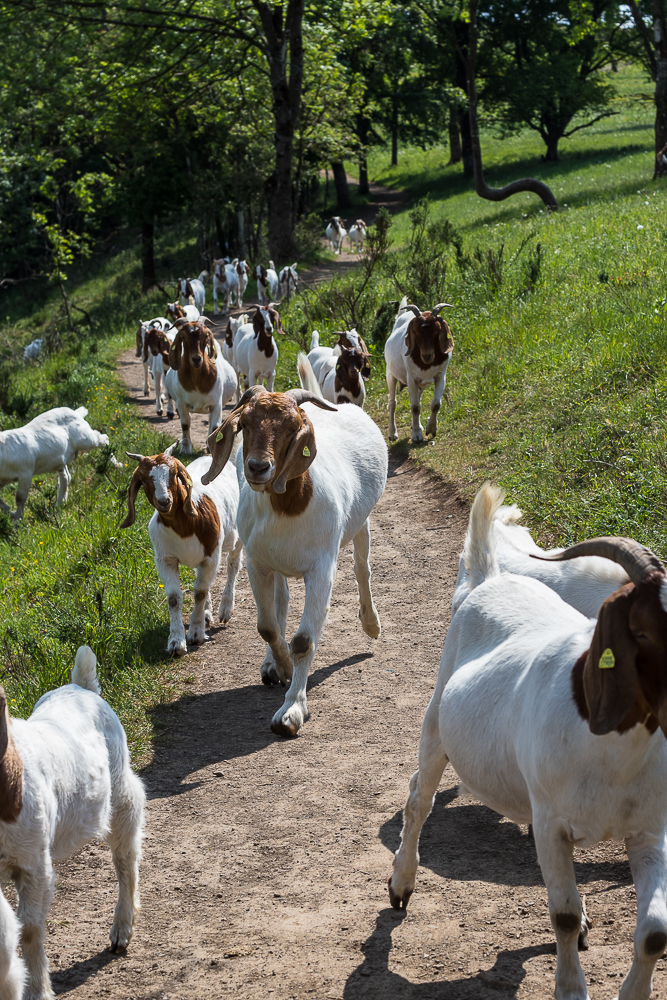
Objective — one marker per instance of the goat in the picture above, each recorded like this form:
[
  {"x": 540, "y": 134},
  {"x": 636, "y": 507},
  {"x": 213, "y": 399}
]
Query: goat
[
  {"x": 156, "y": 352},
  {"x": 233, "y": 325},
  {"x": 352, "y": 340},
  {"x": 255, "y": 350},
  {"x": 357, "y": 235},
  {"x": 243, "y": 272},
  {"x": 176, "y": 311},
  {"x": 289, "y": 280},
  {"x": 338, "y": 374},
  {"x": 199, "y": 379},
  {"x": 160, "y": 323},
  {"x": 192, "y": 526},
  {"x": 66, "y": 779},
  {"x": 193, "y": 288},
  {"x": 33, "y": 350},
  {"x": 225, "y": 278},
  {"x": 584, "y": 583},
  {"x": 336, "y": 233},
  {"x": 46, "y": 444},
  {"x": 553, "y": 719},
  {"x": 309, "y": 481},
  {"x": 418, "y": 352},
  {"x": 268, "y": 285}
]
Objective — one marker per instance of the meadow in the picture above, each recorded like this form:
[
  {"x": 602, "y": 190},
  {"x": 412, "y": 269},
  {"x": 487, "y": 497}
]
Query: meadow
[{"x": 556, "y": 390}]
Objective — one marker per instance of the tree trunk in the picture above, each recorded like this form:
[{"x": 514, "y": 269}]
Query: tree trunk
[
  {"x": 660, "y": 43},
  {"x": 281, "y": 37},
  {"x": 148, "y": 277},
  {"x": 455, "y": 151},
  {"x": 481, "y": 187},
  {"x": 362, "y": 135},
  {"x": 394, "y": 132},
  {"x": 241, "y": 245},
  {"x": 343, "y": 200},
  {"x": 363, "y": 176},
  {"x": 466, "y": 145},
  {"x": 552, "y": 141},
  {"x": 222, "y": 242}
]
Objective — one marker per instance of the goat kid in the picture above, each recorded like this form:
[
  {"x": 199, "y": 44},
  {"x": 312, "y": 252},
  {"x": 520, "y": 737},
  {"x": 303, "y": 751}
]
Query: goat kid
[
  {"x": 255, "y": 350},
  {"x": 310, "y": 476},
  {"x": 289, "y": 280},
  {"x": 160, "y": 323},
  {"x": 357, "y": 235},
  {"x": 156, "y": 352},
  {"x": 339, "y": 375},
  {"x": 268, "y": 285},
  {"x": 46, "y": 444},
  {"x": 418, "y": 353},
  {"x": 66, "y": 779},
  {"x": 555, "y": 720},
  {"x": 193, "y": 288},
  {"x": 192, "y": 526},
  {"x": 199, "y": 379},
  {"x": 336, "y": 233}
]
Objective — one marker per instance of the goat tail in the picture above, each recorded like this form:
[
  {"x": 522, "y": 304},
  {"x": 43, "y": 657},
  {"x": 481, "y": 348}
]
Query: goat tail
[
  {"x": 509, "y": 515},
  {"x": 314, "y": 340},
  {"x": 85, "y": 670},
  {"x": 402, "y": 305},
  {"x": 478, "y": 549},
  {"x": 81, "y": 412},
  {"x": 307, "y": 376},
  {"x": 272, "y": 265}
]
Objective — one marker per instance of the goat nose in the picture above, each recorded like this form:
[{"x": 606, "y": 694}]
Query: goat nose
[
  {"x": 196, "y": 361},
  {"x": 258, "y": 464}
]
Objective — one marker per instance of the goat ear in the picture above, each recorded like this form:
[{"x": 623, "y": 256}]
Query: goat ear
[
  {"x": 411, "y": 337},
  {"x": 176, "y": 351},
  {"x": 184, "y": 477},
  {"x": 220, "y": 444},
  {"x": 299, "y": 455},
  {"x": 135, "y": 485},
  {"x": 11, "y": 769},
  {"x": 446, "y": 339},
  {"x": 210, "y": 347},
  {"x": 610, "y": 674}
]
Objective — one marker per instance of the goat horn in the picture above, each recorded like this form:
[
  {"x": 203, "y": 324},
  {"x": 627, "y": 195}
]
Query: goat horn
[
  {"x": 171, "y": 449},
  {"x": 636, "y": 559},
  {"x": 249, "y": 394},
  {"x": 441, "y": 305},
  {"x": 301, "y": 396},
  {"x": 181, "y": 319},
  {"x": 415, "y": 310},
  {"x": 138, "y": 458}
]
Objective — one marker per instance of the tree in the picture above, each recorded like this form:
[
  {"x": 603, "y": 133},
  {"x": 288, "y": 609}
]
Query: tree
[{"x": 655, "y": 58}]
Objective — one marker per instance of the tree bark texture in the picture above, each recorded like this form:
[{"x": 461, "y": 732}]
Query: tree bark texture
[
  {"x": 362, "y": 135},
  {"x": 343, "y": 200},
  {"x": 284, "y": 43},
  {"x": 482, "y": 188},
  {"x": 394, "y": 133},
  {"x": 148, "y": 276},
  {"x": 455, "y": 151},
  {"x": 660, "y": 43}
]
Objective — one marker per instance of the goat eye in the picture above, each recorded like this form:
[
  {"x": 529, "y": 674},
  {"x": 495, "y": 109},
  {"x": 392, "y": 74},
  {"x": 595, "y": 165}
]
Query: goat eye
[{"x": 639, "y": 635}]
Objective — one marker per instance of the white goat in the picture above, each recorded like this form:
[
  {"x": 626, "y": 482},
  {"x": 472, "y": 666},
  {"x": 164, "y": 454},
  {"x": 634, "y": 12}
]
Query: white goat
[
  {"x": 156, "y": 350},
  {"x": 199, "y": 379},
  {"x": 255, "y": 350},
  {"x": 289, "y": 281},
  {"x": 357, "y": 235},
  {"x": 46, "y": 444},
  {"x": 584, "y": 583},
  {"x": 417, "y": 352},
  {"x": 268, "y": 286},
  {"x": 243, "y": 272},
  {"x": 309, "y": 481},
  {"x": 338, "y": 373},
  {"x": 225, "y": 280},
  {"x": 336, "y": 233},
  {"x": 233, "y": 325},
  {"x": 193, "y": 288},
  {"x": 159, "y": 323},
  {"x": 66, "y": 779},
  {"x": 176, "y": 311},
  {"x": 33, "y": 350},
  {"x": 555, "y": 720},
  {"x": 192, "y": 526}
]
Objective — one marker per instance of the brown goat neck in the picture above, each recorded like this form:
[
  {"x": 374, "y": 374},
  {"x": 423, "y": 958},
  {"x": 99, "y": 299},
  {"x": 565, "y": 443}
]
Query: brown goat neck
[{"x": 298, "y": 494}]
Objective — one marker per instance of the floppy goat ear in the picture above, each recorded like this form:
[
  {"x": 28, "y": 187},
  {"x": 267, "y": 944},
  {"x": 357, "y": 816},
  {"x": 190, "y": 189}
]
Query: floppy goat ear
[
  {"x": 11, "y": 769},
  {"x": 299, "y": 456},
  {"x": 610, "y": 674},
  {"x": 184, "y": 477},
  {"x": 411, "y": 336},
  {"x": 220, "y": 444},
  {"x": 446, "y": 339},
  {"x": 209, "y": 344},
  {"x": 135, "y": 485},
  {"x": 176, "y": 351}
]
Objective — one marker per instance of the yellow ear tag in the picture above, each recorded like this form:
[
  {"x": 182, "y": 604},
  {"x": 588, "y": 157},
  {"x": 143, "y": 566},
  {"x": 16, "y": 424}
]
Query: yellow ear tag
[
  {"x": 219, "y": 436},
  {"x": 607, "y": 660},
  {"x": 306, "y": 451}
]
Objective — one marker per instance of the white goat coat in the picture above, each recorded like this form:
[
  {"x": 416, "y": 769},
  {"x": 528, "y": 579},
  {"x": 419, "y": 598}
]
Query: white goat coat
[
  {"x": 323, "y": 361},
  {"x": 250, "y": 361},
  {"x": 400, "y": 365},
  {"x": 198, "y": 402},
  {"x": 270, "y": 292}
]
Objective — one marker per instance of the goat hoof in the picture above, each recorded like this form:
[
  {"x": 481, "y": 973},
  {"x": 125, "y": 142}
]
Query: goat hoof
[
  {"x": 280, "y": 729},
  {"x": 225, "y": 611},
  {"x": 178, "y": 647},
  {"x": 394, "y": 436},
  {"x": 398, "y": 902},
  {"x": 372, "y": 627},
  {"x": 145, "y": 392},
  {"x": 170, "y": 416},
  {"x": 269, "y": 674}
]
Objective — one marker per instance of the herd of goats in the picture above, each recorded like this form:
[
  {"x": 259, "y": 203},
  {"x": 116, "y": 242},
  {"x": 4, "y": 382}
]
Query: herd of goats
[{"x": 551, "y": 698}]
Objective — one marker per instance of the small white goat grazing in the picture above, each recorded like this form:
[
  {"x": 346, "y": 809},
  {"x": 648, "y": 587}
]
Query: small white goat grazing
[
  {"x": 255, "y": 350},
  {"x": 193, "y": 288},
  {"x": 199, "y": 379},
  {"x": 46, "y": 444},
  {"x": 553, "y": 719},
  {"x": 417, "y": 352},
  {"x": 159, "y": 323},
  {"x": 357, "y": 234},
  {"x": 268, "y": 286},
  {"x": 192, "y": 525},
  {"x": 584, "y": 583},
  {"x": 66, "y": 779},
  {"x": 309, "y": 481},
  {"x": 336, "y": 233},
  {"x": 289, "y": 281}
]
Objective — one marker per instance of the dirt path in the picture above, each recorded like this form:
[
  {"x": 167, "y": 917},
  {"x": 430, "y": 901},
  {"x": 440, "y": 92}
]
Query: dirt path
[{"x": 265, "y": 860}]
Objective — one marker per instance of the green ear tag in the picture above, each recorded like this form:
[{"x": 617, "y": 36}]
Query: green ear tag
[
  {"x": 188, "y": 481},
  {"x": 306, "y": 451},
  {"x": 607, "y": 660},
  {"x": 219, "y": 436}
]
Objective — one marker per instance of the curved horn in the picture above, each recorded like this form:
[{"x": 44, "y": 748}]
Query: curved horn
[
  {"x": 441, "y": 305},
  {"x": 415, "y": 310},
  {"x": 130, "y": 454},
  {"x": 171, "y": 449},
  {"x": 301, "y": 396},
  {"x": 636, "y": 559},
  {"x": 181, "y": 319},
  {"x": 248, "y": 395}
]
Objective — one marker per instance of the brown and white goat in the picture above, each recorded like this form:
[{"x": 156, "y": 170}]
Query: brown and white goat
[
  {"x": 336, "y": 233},
  {"x": 418, "y": 352},
  {"x": 160, "y": 323},
  {"x": 176, "y": 311},
  {"x": 199, "y": 379},
  {"x": 268, "y": 286},
  {"x": 156, "y": 352},
  {"x": 357, "y": 234},
  {"x": 192, "y": 525},
  {"x": 339, "y": 373},
  {"x": 254, "y": 348}
]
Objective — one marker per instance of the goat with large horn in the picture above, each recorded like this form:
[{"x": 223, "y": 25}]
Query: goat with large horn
[
  {"x": 554, "y": 719},
  {"x": 418, "y": 352},
  {"x": 310, "y": 476}
]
